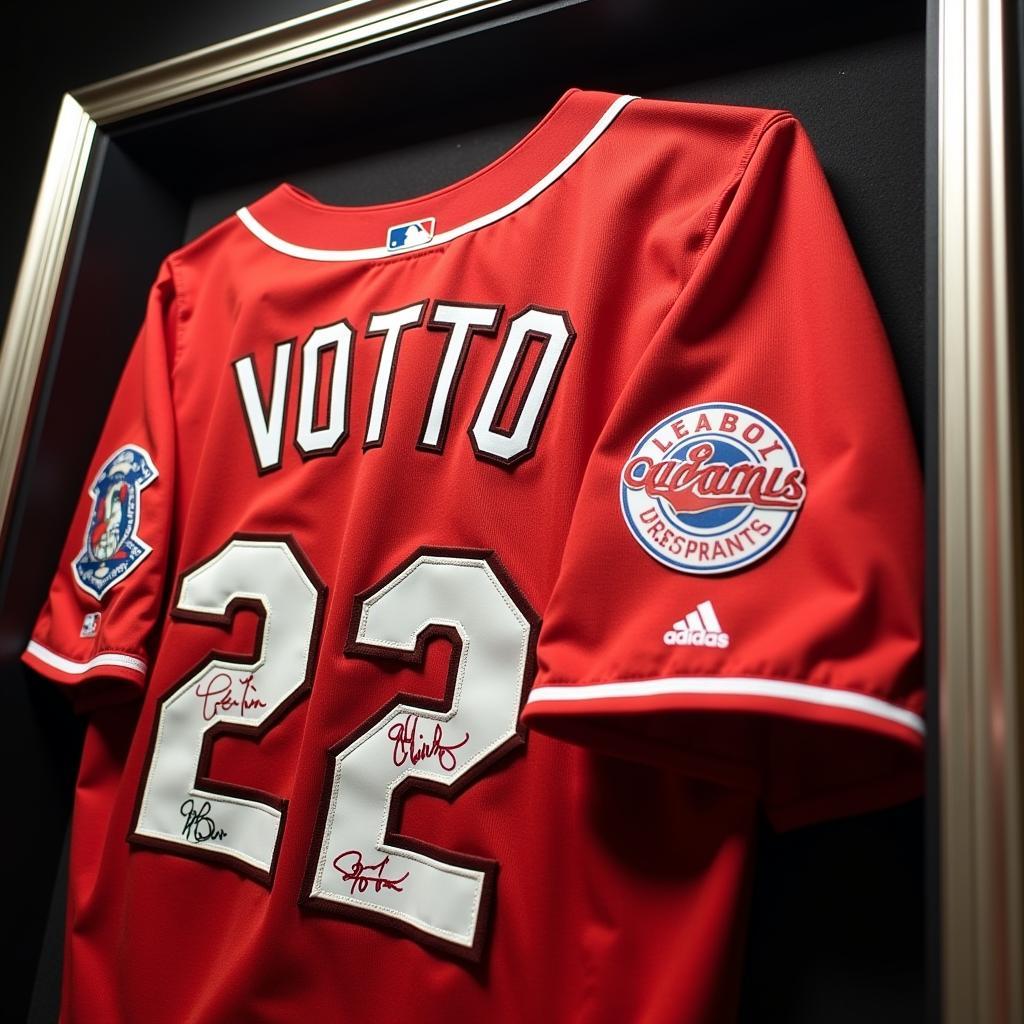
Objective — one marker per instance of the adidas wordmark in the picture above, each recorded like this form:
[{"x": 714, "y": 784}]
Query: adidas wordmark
[{"x": 700, "y": 628}]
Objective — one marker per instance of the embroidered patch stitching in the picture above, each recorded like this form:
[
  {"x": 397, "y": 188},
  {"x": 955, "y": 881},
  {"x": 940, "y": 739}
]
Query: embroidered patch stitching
[
  {"x": 712, "y": 488},
  {"x": 112, "y": 547}
]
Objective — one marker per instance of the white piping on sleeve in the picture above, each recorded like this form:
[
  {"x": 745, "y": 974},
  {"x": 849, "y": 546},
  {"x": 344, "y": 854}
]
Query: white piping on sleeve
[
  {"x": 733, "y": 687},
  {"x": 79, "y": 668}
]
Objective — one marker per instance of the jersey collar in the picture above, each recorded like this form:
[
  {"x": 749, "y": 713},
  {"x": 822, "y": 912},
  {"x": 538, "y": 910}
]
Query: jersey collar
[{"x": 296, "y": 224}]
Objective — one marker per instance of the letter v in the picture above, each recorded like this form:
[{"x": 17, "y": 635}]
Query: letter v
[{"x": 264, "y": 422}]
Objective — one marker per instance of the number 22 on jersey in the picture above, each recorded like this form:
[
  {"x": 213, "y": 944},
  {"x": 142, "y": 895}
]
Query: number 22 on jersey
[{"x": 359, "y": 867}]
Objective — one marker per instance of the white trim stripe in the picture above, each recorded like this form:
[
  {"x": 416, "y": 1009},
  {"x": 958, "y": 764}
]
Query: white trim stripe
[
  {"x": 79, "y": 668},
  {"x": 303, "y": 252},
  {"x": 734, "y": 687}
]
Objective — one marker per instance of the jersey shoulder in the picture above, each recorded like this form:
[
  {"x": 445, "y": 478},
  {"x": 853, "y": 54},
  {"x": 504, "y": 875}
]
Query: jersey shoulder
[
  {"x": 671, "y": 164},
  {"x": 711, "y": 138}
]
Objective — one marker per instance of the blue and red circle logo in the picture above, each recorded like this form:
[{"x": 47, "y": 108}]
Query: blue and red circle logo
[{"x": 712, "y": 488}]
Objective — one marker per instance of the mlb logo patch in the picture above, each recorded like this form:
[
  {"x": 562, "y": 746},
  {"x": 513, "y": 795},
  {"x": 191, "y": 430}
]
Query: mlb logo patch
[{"x": 408, "y": 236}]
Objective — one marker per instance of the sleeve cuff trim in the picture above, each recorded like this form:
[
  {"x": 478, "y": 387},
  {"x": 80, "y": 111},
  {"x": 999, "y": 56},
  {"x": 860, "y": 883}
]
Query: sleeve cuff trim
[
  {"x": 805, "y": 693},
  {"x": 80, "y": 668}
]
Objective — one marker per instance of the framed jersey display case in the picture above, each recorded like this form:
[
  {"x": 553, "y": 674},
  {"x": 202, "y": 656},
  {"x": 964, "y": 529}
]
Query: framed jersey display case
[{"x": 584, "y": 590}]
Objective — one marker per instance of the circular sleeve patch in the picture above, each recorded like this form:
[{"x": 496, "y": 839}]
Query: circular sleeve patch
[{"x": 712, "y": 488}]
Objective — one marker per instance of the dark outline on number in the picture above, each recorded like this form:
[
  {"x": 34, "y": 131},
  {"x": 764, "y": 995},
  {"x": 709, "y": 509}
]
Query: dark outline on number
[
  {"x": 386, "y": 411},
  {"x": 449, "y": 330},
  {"x": 487, "y": 866},
  {"x": 549, "y": 394},
  {"x": 290, "y": 342},
  {"x": 253, "y": 733},
  {"x": 317, "y": 453}
]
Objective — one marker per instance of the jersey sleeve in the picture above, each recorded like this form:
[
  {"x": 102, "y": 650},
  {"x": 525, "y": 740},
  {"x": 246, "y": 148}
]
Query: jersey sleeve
[
  {"x": 741, "y": 589},
  {"x": 92, "y": 635}
]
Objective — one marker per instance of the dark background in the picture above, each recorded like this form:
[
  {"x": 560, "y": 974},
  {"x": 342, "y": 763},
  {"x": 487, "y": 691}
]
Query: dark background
[{"x": 838, "y": 913}]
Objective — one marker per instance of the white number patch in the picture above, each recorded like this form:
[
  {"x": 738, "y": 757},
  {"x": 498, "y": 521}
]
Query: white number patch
[
  {"x": 359, "y": 867},
  {"x": 362, "y": 869},
  {"x": 179, "y": 809}
]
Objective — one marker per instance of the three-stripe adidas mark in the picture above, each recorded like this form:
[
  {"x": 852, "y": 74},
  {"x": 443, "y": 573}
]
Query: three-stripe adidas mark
[{"x": 700, "y": 628}]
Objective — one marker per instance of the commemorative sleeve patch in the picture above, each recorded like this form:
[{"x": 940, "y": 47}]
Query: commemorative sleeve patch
[
  {"x": 712, "y": 488},
  {"x": 113, "y": 547}
]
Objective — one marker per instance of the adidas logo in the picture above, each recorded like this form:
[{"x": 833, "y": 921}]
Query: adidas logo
[{"x": 700, "y": 628}]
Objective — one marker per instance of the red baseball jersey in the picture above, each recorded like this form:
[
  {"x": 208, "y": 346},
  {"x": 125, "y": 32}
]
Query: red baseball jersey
[{"x": 455, "y": 579}]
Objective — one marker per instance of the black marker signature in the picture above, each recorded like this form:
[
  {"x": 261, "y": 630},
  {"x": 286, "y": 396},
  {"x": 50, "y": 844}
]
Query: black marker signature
[{"x": 199, "y": 826}]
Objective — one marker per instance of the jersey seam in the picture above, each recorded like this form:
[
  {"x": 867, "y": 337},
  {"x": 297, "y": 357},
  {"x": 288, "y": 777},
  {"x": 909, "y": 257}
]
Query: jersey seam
[
  {"x": 117, "y": 650},
  {"x": 713, "y": 219},
  {"x": 179, "y": 302}
]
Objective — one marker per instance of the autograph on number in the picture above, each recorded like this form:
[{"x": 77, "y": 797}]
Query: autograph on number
[
  {"x": 362, "y": 875},
  {"x": 218, "y": 694},
  {"x": 412, "y": 744},
  {"x": 199, "y": 826}
]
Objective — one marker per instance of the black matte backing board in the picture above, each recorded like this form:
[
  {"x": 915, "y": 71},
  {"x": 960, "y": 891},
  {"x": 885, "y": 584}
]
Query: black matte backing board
[{"x": 837, "y": 931}]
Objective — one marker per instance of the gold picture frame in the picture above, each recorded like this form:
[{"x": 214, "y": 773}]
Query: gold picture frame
[{"x": 976, "y": 461}]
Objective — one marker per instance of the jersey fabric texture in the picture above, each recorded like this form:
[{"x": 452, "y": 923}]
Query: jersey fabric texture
[{"x": 457, "y": 579}]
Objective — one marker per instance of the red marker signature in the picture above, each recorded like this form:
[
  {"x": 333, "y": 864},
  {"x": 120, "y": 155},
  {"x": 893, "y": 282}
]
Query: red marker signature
[
  {"x": 219, "y": 694},
  {"x": 412, "y": 744},
  {"x": 362, "y": 875}
]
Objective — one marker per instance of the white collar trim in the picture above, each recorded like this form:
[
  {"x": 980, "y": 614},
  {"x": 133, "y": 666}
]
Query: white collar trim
[{"x": 379, "y": 252}]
